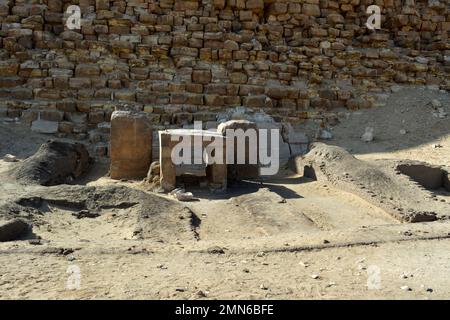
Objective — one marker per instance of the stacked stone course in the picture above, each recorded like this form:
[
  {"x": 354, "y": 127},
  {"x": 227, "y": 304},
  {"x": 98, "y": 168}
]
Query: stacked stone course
[{"x": 186, "y": 60}]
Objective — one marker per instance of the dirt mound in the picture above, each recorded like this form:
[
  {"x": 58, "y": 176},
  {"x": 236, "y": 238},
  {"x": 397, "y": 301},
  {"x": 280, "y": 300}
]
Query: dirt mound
[
  {"x": 151, "y": 216},
  {"x": 270, "y": 210},
  {"x": 54, "y": 163},
  {"x": 378, "y": 182}
]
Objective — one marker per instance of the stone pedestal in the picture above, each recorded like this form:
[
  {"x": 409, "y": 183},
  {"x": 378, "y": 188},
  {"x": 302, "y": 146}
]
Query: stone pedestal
[
  {"x": 131, "y": 145},
  {"x": 216, "y": 172}
]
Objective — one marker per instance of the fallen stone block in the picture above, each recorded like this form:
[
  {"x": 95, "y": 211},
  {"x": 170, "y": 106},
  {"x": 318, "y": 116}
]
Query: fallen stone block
[{"x": 9, "y": 158}]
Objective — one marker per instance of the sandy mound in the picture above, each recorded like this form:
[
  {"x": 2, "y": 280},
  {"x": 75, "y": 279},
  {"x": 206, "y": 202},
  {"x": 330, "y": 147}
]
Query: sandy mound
[
  {"x": 54, "y": 163},
  {"x": 147, "y": 216},
  {"x": 380, "y": 182}
]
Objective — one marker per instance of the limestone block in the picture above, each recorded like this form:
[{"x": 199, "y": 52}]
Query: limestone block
[
  {"x": 247, "y": 170},
  {"x": 131, "y": 145},
  {"x": 282, "y": 152}
]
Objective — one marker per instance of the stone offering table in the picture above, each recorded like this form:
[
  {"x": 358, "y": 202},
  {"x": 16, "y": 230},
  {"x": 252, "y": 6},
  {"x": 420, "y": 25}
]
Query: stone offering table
[{"x": 216, "y": 172}]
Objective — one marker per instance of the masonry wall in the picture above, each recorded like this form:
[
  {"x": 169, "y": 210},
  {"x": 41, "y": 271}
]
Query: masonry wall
[{"x": 184, "y": 60}]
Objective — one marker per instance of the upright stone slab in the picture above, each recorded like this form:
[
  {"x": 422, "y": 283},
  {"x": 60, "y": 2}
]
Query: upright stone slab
[
  {"x": 281, "y": 153},
  {"x": 245, "y": 170},
  {"x": 298, "y": 141},
  {"x": 131, "y": 145}
]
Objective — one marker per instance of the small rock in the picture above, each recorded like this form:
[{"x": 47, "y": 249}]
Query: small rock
[
  {"x": 324, "y": 134},
  {"x": 437, "y": 146},
  {"x": 9, "y": 158},
  {"x": 35, "y": 242},
  {"x": 201, "y": 294},
  {"x": 315, "y": 276},
  {"x": 216, "y": 250},
  {"x": 185, "y": 196},
  {"x": 67, "y": 251},
  {"x": 85, "y": 214},
  {"x": 395, "y": 89},
  {"x": 181, "y": 195},
  {"x": 263, "y": 287},
  {"x": 403, "y": 131},
  {"x": 405, "y": 288},
  {"x": 436, "y": 103},
  {"x": 246, "y": 270},
  {"x": 304, "y": 264},
  {"x": 368, "y": 135}
]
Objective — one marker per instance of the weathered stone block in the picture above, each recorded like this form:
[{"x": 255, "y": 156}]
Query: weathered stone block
[
  {"x": 131, "y": 145},
  {"x": 87, "y": 70},
  {"x": 311, "y": 9},
  {"x": 201, "y": 76},
  {"x": 8, "y": 69},
  {"x": 242, "y": 149}
]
